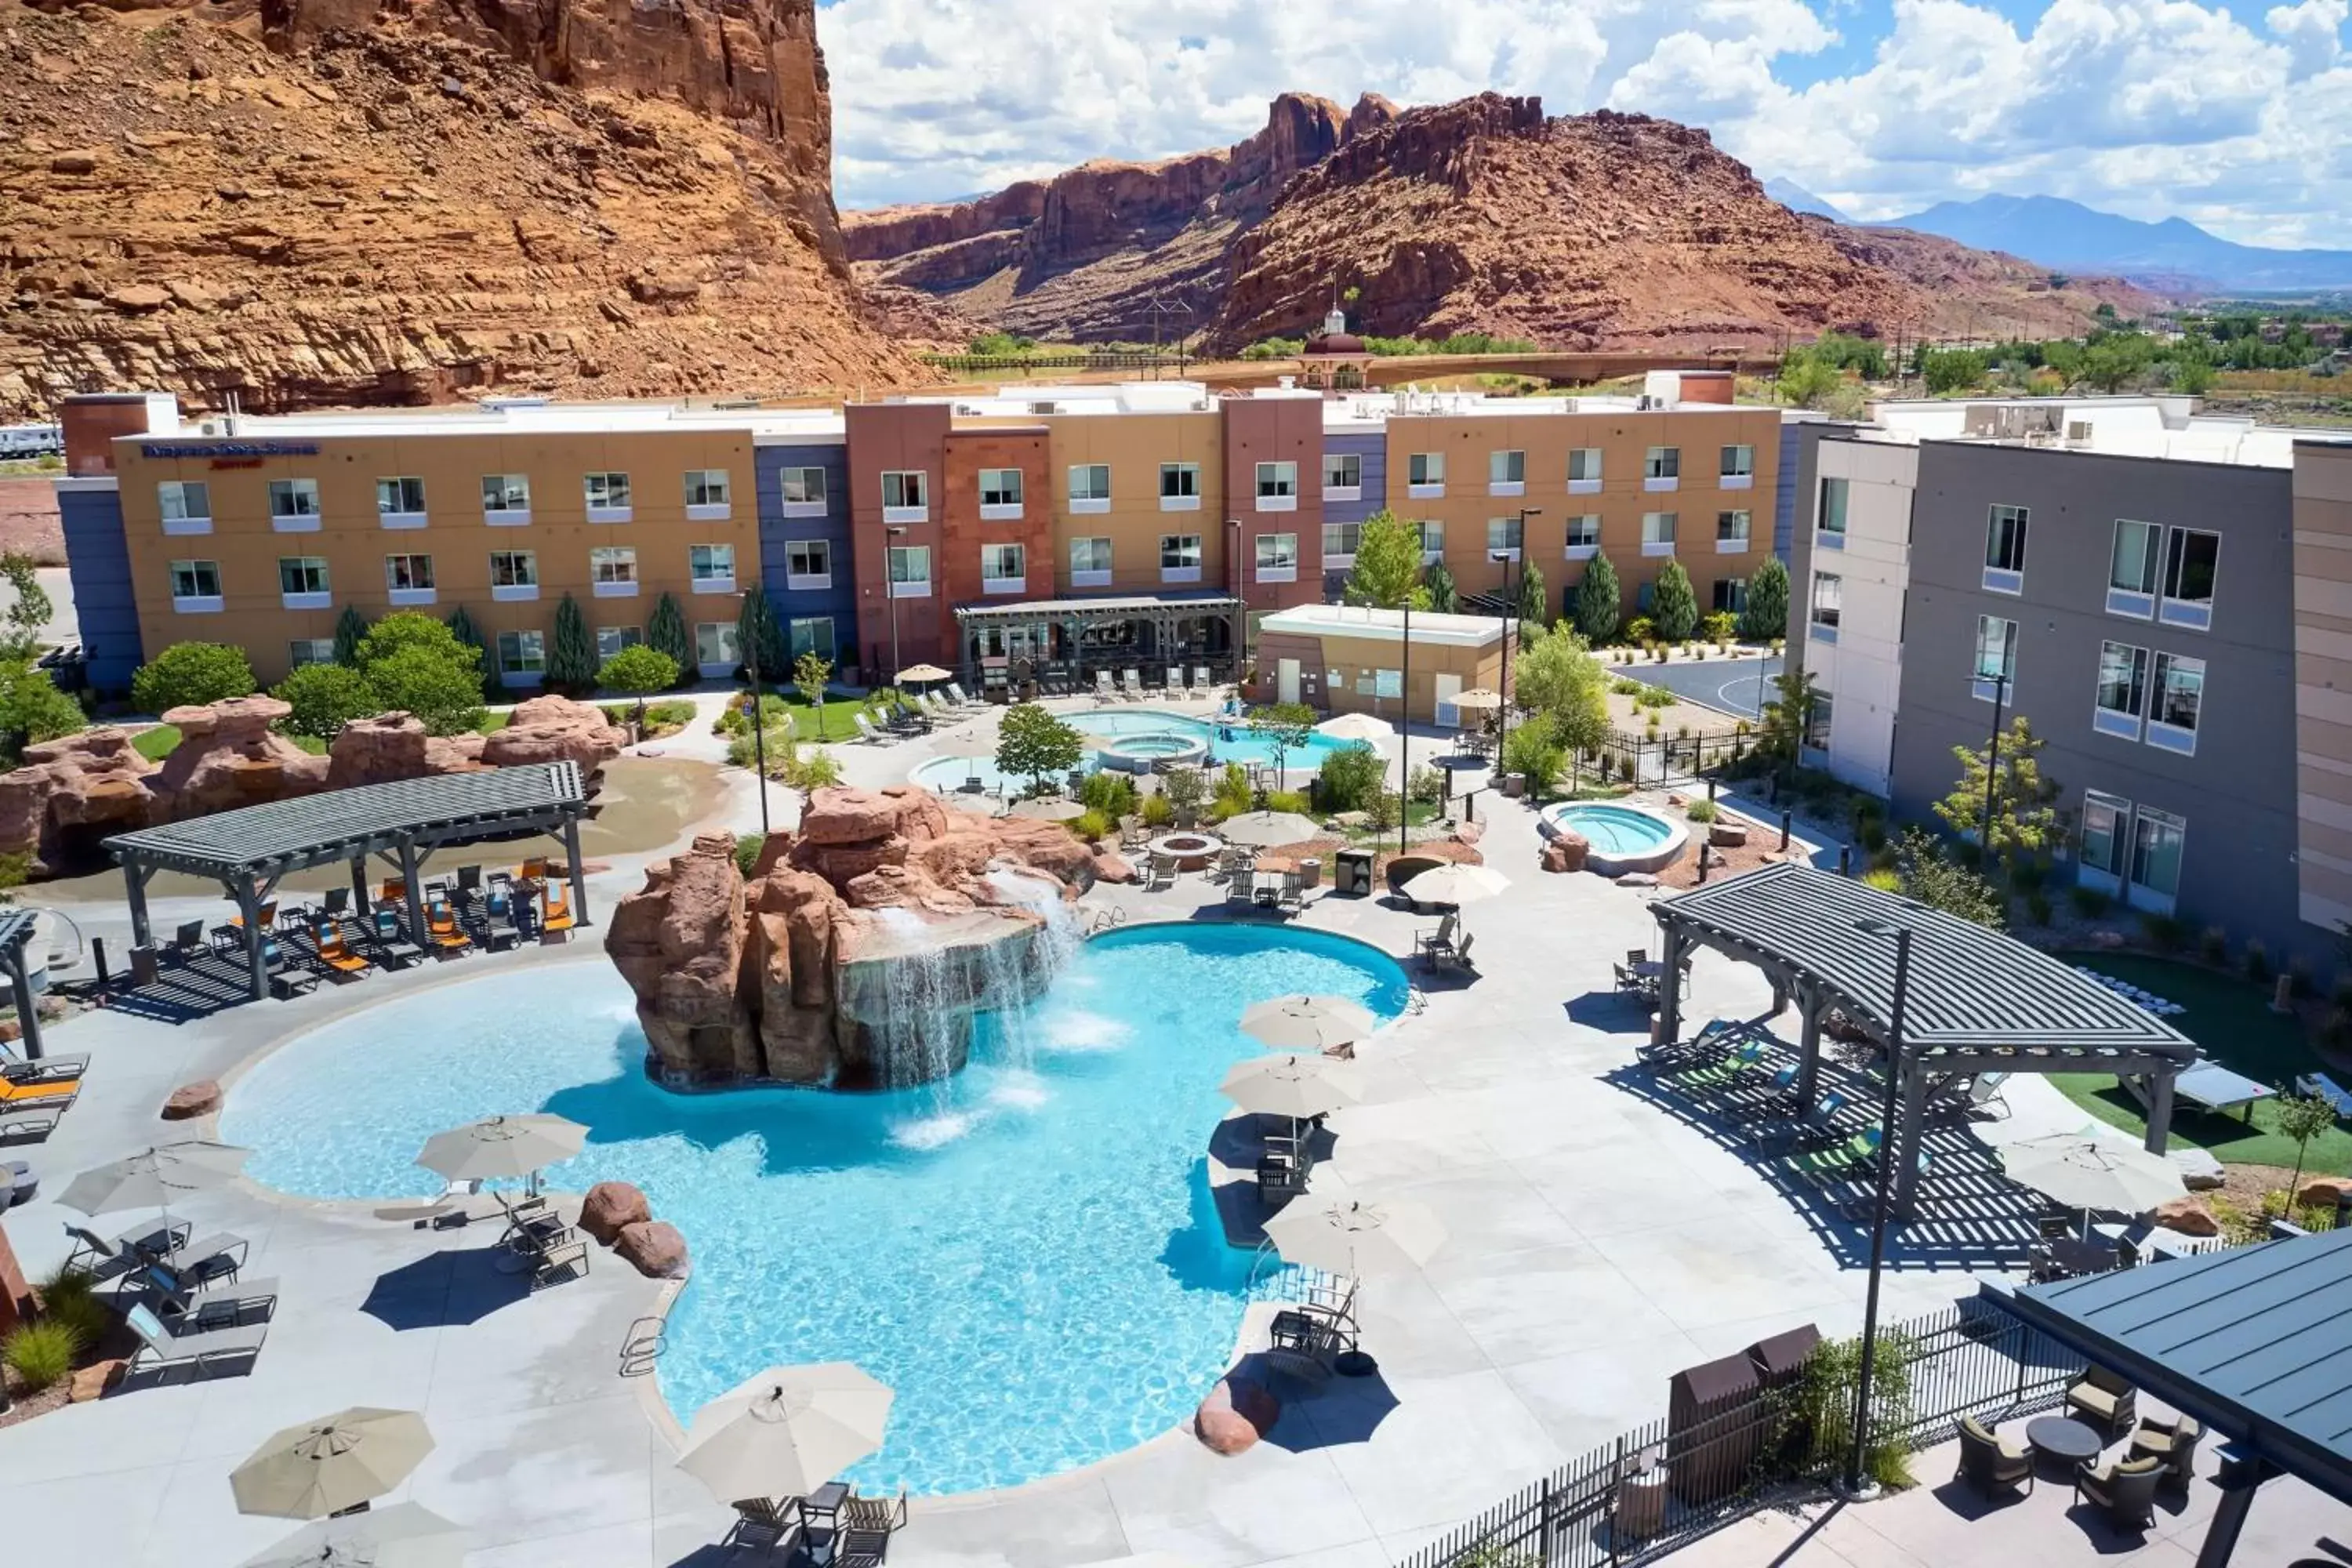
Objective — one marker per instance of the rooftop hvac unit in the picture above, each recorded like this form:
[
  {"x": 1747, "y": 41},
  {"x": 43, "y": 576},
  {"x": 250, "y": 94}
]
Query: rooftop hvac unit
[
  {"x": 1044, "y": 408},
  {"x": 2078, "y": 432}
]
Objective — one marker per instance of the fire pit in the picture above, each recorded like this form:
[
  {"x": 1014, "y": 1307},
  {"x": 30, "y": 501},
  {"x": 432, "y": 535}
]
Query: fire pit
[{"x": 1187, "y": 852}]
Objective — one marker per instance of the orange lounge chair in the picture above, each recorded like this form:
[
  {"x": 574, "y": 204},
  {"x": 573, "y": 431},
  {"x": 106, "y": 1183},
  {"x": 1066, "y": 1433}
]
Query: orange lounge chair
[
  {"x": 558, "y": 908},
  {"x": 338, "y": 957},
  {"x": 441, "y": 921},
  {"x": 532, "y": 870},
  {"x": 268, "y": 917},
  {"x": 55, "y": 1091}
]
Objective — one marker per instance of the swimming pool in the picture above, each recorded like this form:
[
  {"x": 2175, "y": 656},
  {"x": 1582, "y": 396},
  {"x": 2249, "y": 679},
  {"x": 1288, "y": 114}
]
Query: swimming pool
[
  {"x": 1029, "y": 1254},
  {"x": 1623, "y": 837},
  {"x": 1228, "y": 740}
]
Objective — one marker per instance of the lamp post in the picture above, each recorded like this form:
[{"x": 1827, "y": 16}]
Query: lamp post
[
  {"x": 891, "y": 587},
  {"x": 1859, "y": 1485},
  {"x": 1240, "y": 626},
  {"x": 1404, "y": 731},
  {"x": 1510, "y": 609},
  {"x": 759, "y": 720},
  {"x": 1992, "y": 762}
]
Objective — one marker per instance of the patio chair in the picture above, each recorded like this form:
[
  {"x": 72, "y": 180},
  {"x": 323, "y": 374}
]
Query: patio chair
[
  {"x": 1175, "y": 685},
  {"x": 763, "y": 1524},
  {"x": 179, "y": 1302},
  {"x": 39, "y": 1094},
  {"x": 1458, "y": 956},
  {"x": 48, "y": 1069},
  {"x": 201, "y": 1349},
  {"x": 1429, "y": 944},
  {"x": 1131, "y": 685},
  {"x": 469, "y": 879},
  {"x": 1294, "y": 895},
  {"x": 1282, "y": 1175},
  {"x": 2125, "y": 1489},
  {"x": 1159, "y": 874},
  {"x": 26, "y": 1124},
  {"x": 1991, "y": 1464},
  {"x": 2175, "y": 1442},
  {"x": 863, "y": 1530},
  {"x": 559, "y": 920},
  {"x": 1103, "y": 691},
  {"x": 188, "y": 940},
  {"x": 338, "y": 904},
  {"x": 2104, "y": 1399},
  {"x": 559, "y": 1257},
  {"x": 103, "y": 1257},
  {"x": 336, "y": 956},
  {"x": 268, "y": 913},
  {"x": 1201, "y": 679},
  {"x": 441, "y": 924}
]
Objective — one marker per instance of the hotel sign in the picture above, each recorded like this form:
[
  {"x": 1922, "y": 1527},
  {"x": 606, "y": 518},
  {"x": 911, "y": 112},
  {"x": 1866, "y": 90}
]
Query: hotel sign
[{"x": 233, "y": 449}]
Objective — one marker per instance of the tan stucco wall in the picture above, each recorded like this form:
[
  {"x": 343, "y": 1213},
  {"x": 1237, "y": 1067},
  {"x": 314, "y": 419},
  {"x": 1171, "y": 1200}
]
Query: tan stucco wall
[{"x": 2323, "y": 682}]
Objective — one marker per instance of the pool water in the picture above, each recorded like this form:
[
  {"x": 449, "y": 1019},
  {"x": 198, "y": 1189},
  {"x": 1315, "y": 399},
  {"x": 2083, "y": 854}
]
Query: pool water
[
  {"x": 1028, "y": 1254},
  {"x": 1229, "y": 741},
  {"x": 1612, "y": 829}
]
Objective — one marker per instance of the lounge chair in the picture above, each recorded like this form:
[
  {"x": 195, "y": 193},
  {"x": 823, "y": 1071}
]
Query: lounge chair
[
  {"x": 158, "y": 1346},
  {"x": 18, "y": 1185},
  {"x": 2104, "y": 1399},
  {"x": 441, "y": 924},
  {"x": 181, "y": 1304},
  {"x": 1131, "y": 685},
  {"x": 1992, "y": 1463},
  {"x": 188, "y": 940},
  {"x": 559, "y": 920},
  {"x": 104, "y": 1257},
  {"x": 336, "y": 956},
  {"x": 1103, "y": 691},
  {"x": 2174, "y": 1442},
  {"x": 394, "y": 890},
  {"x": 1200, "y": 681},
  {"x": 1175, "y": 680},
  {"x": 2125, "y": 1489},
  {"x": 956, "y": 696},
  {"x": 862, "y": 1533},
  {"x": 560, "y": 1257},
  {"x": 2328, "y": 1090},
  {"x": 47, "y": 1069},
  {"x": 765, "y": 1525},
  {"x": 268, "y": 913},
  {"x": 1458, "y": 957},
  {"x": 38, "y": 1093},
  {"x": 867, "y": 733}
]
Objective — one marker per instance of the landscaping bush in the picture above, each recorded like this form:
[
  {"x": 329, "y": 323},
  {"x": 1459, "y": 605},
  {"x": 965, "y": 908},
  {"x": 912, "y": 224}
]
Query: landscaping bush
[
  {"x": 2213, "y": 946},
  {"x": 1158, "y": 813},
  {"x": 747, "y": 851},
  {"x": 1654, "y": 697},
  {"x": 1111, "y": 793},
  {"x": 188, "y": 674},
  {"x": 1093, "y": 827},
  {"x": 69, "y": 1296},
  {"x": 2089, "y": 902},
  {"x": 2037, "y": 907},
  {"x": 1184, "y": 790},
  {"x": 1641, "y": 630},
  {"x": 1885, "y": 879},
  {"x": 1626, "y": 686},
  {"x": 1427, "y": 786},
  {"x": 639, "y": 671},
  {"x": 1289, "y": 800},
  {"x": 815, "y": 768},
  {"x": 1720, "y": 627},
  {"x": 776, "y": 744},
  {"x": 1386, "y": 809},
  {"x": 1700, "y": 811},
  {"x": 41, "y": 1352},
  {"x": 1530, "y": 751},
  {"x": 325, "y": 698},
  {"x": 2164, "y": 933},
  {"x": 735, "y": 721},
  {"x": 1349, "y": 778},
  {"x": 670, "y": 715},
  {"x": 1233, "y": 795},
  {"x": 417, "y": 665},
  {"x": 2257, "y": 961}
]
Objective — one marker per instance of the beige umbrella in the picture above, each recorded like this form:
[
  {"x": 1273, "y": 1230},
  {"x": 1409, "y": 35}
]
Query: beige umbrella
[
  {"x": 922, "y": 674},
  {"x": 405, "y": 1535},
  {"x": 1308, "y": 1023},
  {"x": 1455, "y": 884},
  {"x": 1299, "y": 1087},
  {"x": 2084, "y": 1173},
  {"x": 1264, "y": 829},
  {"x": 1480, "y": 698},
  {"x": 1052, "y": 808},
  {"x": 1356, "y": 727},
  {"x": 785, "y": 1432},
  {"x": 500, "y": 1146},
  {"x": 1341, "y": 1235},
  {"x": 155, "y": 1179},
  {"x": 326, "y": 1465}
]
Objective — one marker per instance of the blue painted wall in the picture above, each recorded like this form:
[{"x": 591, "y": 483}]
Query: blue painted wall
[
  {"x": 97, "y": 558},
  {"x": 1371, "y": 447},
  {"x": 1784, "y": 500},
  {"x": 776, "y": 531}
]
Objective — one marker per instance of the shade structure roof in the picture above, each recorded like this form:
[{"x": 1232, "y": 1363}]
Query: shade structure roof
[
  {"x": 16, "y": 927},
  {"x": 1971, "y": 992},
  {"x": 2253, "y": 1341},
  {"x": 339, "y": 824},
  {"x": 1108, "y": 605}
]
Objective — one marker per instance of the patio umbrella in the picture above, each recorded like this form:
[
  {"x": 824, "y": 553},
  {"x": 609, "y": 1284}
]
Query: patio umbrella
[
  {"x": 1053, "y": 808},
  {"x": 405, "y": 1535},
  {"x": 923, "y": 674},
  {"x": 1264, "y": 829},
  {"x": 1341, "y": 1235},
  {"x": 1308, "y": 1023},
  {"x": 156, "y": 1179},
  {"x": 1455, "y": 884},
  {"x": 1356, "y": 727},
  {"x": 502, "y": 1147},
  {"x": 785, "y": 1432},
  {"x": 1479, "y": 697},
  {"x": 1299, "y": 1087},
  {"x": 2084, "y": 1173},
  {"x": 334, "y": 1463}
]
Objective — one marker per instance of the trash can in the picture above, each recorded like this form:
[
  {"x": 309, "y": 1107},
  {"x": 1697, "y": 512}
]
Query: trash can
[
  {"x": 1351, "y": 873},
  {"x": 1310, "y": 873}
]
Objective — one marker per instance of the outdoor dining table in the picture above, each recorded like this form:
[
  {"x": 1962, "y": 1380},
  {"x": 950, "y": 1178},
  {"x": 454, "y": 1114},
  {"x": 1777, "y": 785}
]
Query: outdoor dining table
[{"x": 2062, "y": 1437}]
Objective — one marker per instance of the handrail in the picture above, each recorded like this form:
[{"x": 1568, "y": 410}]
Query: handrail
[{"x": 648, "y": 1338}]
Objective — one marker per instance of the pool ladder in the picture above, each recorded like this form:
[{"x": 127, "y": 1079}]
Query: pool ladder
[
  {"x": 648, "y": 1338},
  {"x": 1102, "y": 919}
]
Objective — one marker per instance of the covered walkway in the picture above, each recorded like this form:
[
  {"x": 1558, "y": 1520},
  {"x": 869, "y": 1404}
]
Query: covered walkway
[
  {"x": 1974, "y": 999},
  {"x": 1060, "y": 642},
  {"x": 248, "y": 850}
]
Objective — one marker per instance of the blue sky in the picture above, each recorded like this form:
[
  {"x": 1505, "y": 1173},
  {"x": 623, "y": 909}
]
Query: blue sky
[{"x": 2235, "y": 114}]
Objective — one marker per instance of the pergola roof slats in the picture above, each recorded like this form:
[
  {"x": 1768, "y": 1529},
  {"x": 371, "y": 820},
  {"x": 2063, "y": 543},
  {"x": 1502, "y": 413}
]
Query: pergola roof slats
[{"x": 1110, "y": 606}]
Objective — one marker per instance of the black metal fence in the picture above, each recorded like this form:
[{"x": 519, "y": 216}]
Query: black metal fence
[
  {"x": 1635, "y": 758},
  {"x": 1660, "y": 1486}
]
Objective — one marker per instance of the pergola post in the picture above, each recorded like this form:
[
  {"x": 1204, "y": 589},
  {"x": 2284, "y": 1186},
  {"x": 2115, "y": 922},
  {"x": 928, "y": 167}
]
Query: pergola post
[
  {"x": 1907, "y": 1145},
  {"x": 20, "y": 991},
  {"x": 1809, "y": 1047},
  {"x": 2159, "y": 1109},
  {"x": 359, "y": 886},
  {"x": 248, "y": 905},
  {"x": 2241, "y": 1475},
  {"x": 572, "y": 867},
  {"x": 1670, "y": 987},
  {"x": 411, "y": 894},
  {"x": 142, "y": 937}
]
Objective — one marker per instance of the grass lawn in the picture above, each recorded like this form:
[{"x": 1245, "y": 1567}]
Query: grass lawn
[{"x": 2232, "y": 1019}]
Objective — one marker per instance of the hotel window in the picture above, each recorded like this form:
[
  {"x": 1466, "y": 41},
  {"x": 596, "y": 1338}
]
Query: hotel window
[
  {"x": 1003, "y": 566},
  {"x": 2122, "y": 690},
  {"x": 1995, "y": 667},
  {"x": 309, "y": 650},
  {"x": 400, "y": 498},
  {"x": 522, "y": 653},
  {"x": 514, "y": 569},
  {"x": 1738, "y": 462},
  {"x": 505, "y": 494},
  {"x": 904, "y": 490},
  {"x": 1425, "y": 470},
  {"x": 611, "y": 641},
  {"x": 2189, "y": 555},
  {"x": 2178, "y": 691},
  {"x": 1090, "y": 482},
  {"x": 1507, "y": 473},
  {"x": 1180, "y": 487},
  {"x": 1662, "y": 463},
  {"x": 808, "y": 563},
  {"x": 711, "y": 563},
  {"x": 1506, "y": 533},
  {"x": 2107, "y": 836},
  {"x": 802, "y": 488},
  {"x": 2004, "y": 570},
  {"x": 1584, "y": 470},
  {"x": 407, "y": 573},
  {"x": 1341, "y": 539},
  {"x": 1829, "y": 602},
  {"x": 185, "y": 503},
  {"x": 1817, "y": 720},
  {"x": 302, "y": 575},
  {"x": 1278, "y": 482},
  {"x": 1731, "y": 529},
  {"x": 1342, "y": 471},
  {"x": 1584, "y": 531},
  {"x": 2133, "y": 563},
  {"x": 715, "y": 646},
  {"x": 1000, "y": 487},
  {"x": 293, "y": 500},
  {"x": 811, "y": 634},
  {"x": 1832, "y": 518},
  {"x": 1180, "y": 552},
  {"x": 1658, "y": 533},
  {"x": 1277, "y": 552},
  {"x": 910, "y": 571},
  {"x": 1090, "y": 563},
  {"x": 607, "y": 493},
  {"x": 1730, "y": 594},
  {"x": 197, "y": 581},
  {"x": 2158, "y": 839},
  {"x": 706, "y": 488},
  {"x": 612, "y": 564},
  {"x": 1433, "y": 538}
]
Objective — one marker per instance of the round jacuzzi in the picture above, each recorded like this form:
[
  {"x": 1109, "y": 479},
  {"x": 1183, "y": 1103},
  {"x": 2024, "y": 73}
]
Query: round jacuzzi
[
  {"x": 1141, "y": 753},
  {"x": 1623, "y": 837}
]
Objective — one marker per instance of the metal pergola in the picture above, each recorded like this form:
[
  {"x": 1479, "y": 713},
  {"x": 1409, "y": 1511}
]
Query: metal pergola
[
  {"x": 1165, "y": 613},
  {"x": 1976, "y": 1000},
  {"x": 17, "y": 928},
  {"x": 248, "y": 850}
]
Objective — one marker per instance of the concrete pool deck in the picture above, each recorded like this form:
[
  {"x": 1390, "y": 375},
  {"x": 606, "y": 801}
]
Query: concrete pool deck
[{"x": 1597, "y": 1243}]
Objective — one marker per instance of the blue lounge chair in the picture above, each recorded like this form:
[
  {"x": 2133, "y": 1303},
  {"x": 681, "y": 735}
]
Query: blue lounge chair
[{"x": 2328, "y": 1090}]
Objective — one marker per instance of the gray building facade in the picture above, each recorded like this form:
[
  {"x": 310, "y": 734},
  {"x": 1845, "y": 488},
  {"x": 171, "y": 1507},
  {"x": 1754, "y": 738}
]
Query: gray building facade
[{"x": 2143, "y": 611}]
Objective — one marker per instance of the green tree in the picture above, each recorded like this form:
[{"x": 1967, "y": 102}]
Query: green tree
[
  {"x": 1351, "y": 777},
  {"x": 325, "y": 698},
  {"x": 1559, "y": 680},
  {"x": 1284, "y": 727},
  {"x": 1534, "y": 610},
  {"x": 1789, "y": 716},
  {"x": 1926, "y": 873},
  {"x": 571, "y": 652},
  {"x": 417, "y": 666},
  {"x": 350, "y": 628},
  {"x": 1673, "y": 604},
  {"x": 1807, "y": 381},
  {"x": 1766, "y": 614},
  {"x": 1947, "y": 371},
  {"x": 191, "y": 673},
  {"x": 2114, "y": 360},
  {"x": 463, "y": 628},
  {"x": 1438, "y": 587},
  {"x": 639, "y": 671},
  {"x": 2302, "y": 1117},
  {"x": 2192, "y": 373},
  {"x": 813, "y": 673},
  {"x": 761, "y": 636},
  {"x": 2027, "y": 827},
  {"x": 1033, "y": 742},
  {"x": 32, "y": 710},
  {"x": 1599, "y": 601},
  {"x": 666, "y": 631},
  {"x": 1387, "y": 574},
  {"x": 28, "y": 606}
]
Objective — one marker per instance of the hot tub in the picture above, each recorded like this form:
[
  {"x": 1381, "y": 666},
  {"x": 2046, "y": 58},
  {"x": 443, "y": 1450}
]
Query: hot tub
[
  {"x": 1623, "y": 837},
  {"x": 1143, "y": 754}
]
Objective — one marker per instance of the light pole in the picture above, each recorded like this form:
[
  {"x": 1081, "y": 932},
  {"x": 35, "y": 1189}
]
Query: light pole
[
  {"x": 890, "y": 586},
  {"x": 1510, "y": 608},
  {"x": 1240, "y": 626},
  {"x": 1404, "y": 731},
  {"x": 1993, "y": 762},
  {"x": 1858, "y": 1484},
  {"x": 759, "y": 720}
]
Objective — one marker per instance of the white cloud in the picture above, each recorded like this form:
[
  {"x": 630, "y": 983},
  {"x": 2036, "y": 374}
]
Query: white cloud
[{"x": 2146, "y": 107}]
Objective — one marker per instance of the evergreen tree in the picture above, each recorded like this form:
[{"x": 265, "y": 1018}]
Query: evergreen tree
[
  {"x": 1388, "y": 564},
  {"x": 1533, "y": 610},
  {"x": 2028, "y": 827},
  {"x": 667, "y": 632},
  {"x": 758, "y": 634},
  {"x": 461, "y": 627},
  {"x": 349, "y": 631},
  {"x": 1766, "y": 616},
  {"x": 1444, "y": 598},
  {"x": 1600, "y": 602},
  {"x": 571, "y": 662},
  {"x": 1673, "y": 604}
]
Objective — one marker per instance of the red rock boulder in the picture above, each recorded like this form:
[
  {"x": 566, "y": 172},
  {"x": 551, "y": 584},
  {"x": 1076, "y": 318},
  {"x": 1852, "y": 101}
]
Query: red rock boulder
[
  {"x": 553, "y": 728},
  {"x": 679, "y": 943},
  {"x": 228, "y": 756},
  {"x": 653, "y": 1248},
  {"x": 612, "y": 1208},
  {"x": 394, "y": 746},
  {"x": 2186, "y": 1214},
  {"x": 69, "y": 795},
  {"x": 1112, "y": 867},
  {"x": 2323, "y": 1191},
  {"x": 190, "y": 1100},
  {"x": 1566, "y": 853},
  {"x": 1236, "y": 1413}
]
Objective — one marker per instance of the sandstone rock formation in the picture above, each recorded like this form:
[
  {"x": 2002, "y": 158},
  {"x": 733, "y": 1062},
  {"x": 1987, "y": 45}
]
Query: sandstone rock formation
[
  {"x": 553, "y": 728},
  {"x": 1566, "y": 852},
  {"x": 228, "y": 756},
  {"x": 394, "y": 746},
  {"x": 190, "y": 1100},
  {"x": 653, "y": 1248},
  {"x": 374, "y": 204},
  {"x": 881, "y": 917},
  {"x": 1235, "y": 1414},
  {"x": 70, "y": 794},
  {"x": 612, "y": 1208},
  {"x": 2188, "y": 1215}
]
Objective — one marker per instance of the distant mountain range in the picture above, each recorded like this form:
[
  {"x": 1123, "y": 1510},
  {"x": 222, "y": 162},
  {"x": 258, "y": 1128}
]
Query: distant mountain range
[
  {"x": 1796, "y": 198},
  {"x": 2068, "y": 236}
]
